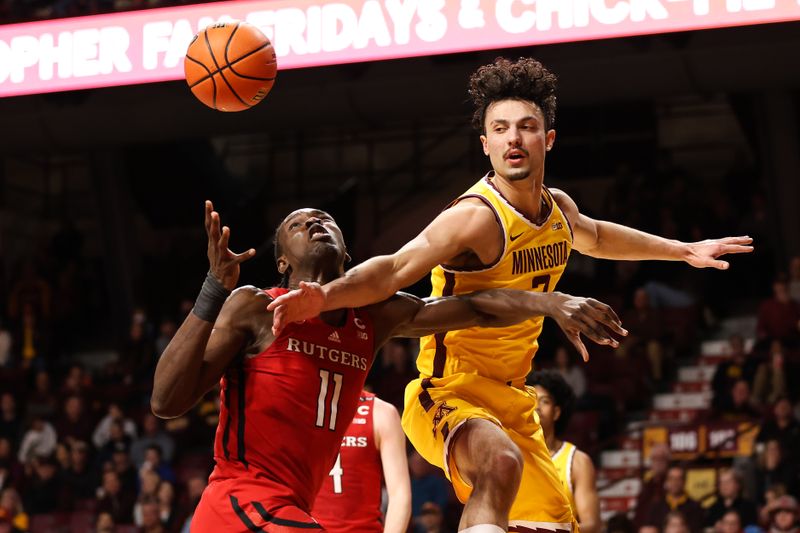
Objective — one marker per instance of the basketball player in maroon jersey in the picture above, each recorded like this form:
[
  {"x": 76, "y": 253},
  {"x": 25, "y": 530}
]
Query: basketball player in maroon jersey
[
  {"x": 350, "y": 497},
  {"x": 286, "y": 400}
]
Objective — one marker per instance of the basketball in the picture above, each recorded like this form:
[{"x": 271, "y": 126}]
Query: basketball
[{"x": 230, "y": 66}]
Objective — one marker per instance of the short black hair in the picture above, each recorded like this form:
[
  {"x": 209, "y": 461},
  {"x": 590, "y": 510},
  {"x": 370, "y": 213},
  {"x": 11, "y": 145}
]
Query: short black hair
[
  {"x": 523, "y": 79},
  {"x": 284, "y": 282},
  {"x": 562, "y": 393}
]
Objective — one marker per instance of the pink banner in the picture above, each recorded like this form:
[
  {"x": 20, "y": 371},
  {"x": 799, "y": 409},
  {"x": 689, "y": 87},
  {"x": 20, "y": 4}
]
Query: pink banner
[{"x": 148, "y": 46}]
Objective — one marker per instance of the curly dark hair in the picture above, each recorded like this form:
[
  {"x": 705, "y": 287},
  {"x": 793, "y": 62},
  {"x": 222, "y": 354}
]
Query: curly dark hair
[
  {"x": 523, "y": 79},
  {"x": 562, "y": 394}
]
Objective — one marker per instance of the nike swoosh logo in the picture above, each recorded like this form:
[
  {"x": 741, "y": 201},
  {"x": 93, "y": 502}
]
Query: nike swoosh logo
[{"x": 515, "y": 237}]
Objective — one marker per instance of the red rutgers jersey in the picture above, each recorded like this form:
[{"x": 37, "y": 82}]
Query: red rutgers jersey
[
  {"x": 284, "y": 411},
  {"x": 350, "y": 498}
]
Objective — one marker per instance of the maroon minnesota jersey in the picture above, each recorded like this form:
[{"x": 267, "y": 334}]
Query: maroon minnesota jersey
[
  {"x": 350, "y": 498},
  {"x": 284, "y": 411}
]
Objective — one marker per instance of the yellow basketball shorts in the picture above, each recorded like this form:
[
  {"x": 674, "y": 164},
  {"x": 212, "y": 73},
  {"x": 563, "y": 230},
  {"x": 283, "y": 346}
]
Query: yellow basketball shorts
[{"x": 436, "y": 408}]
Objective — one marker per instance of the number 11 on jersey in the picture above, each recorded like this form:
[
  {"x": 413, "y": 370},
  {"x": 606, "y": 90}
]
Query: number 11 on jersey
[{"x": 324, "y": 378}]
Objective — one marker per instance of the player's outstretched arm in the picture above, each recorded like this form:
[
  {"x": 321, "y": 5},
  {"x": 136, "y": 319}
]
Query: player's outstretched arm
[
  {"x": 455, "y": 231},
  {"x": 409, "y": 316},
  {"x": 391, "y": 442},
  {"x": 215, "y": 331},
  {"x": 607, "y": 240},
  {"x": 585, "y": 492}
]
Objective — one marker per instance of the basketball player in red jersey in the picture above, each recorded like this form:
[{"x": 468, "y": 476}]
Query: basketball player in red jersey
[
  {"x": 287, "y": 399},
  {"x": 350, "y": 497}
]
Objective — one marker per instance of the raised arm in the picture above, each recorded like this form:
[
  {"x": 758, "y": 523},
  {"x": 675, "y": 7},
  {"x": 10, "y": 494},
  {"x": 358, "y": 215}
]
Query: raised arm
[
  {"x": 607, "y": 240},
  {"x": 585, "y": 491},
  {"x": 218, "y": 328},
  {"x": 409, "y": 316},
  {"x": 458, "y": 230},
  {"x": 391, "y": 444}
]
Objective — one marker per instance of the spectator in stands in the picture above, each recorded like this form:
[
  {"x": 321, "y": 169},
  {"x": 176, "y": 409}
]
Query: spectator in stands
[
  {"x": 771, "y": 497},
  {"x": 166, "y": 330},
  {"x": 151, "y": 521},
  {"x": 194, "y": 489},
  {"x": 675, "y": 499},
  {"x": 74, "y": 424},
  {"x": 43, "y": 402},
  {"x": 153, "y": 460},
  {"x": 730, "y": 522},
  {"x": 12, "y": 511},
  {"x": 10, "y": 423},
  {"x": 105, "y": 523},
  {"x": 653, "y": 483},
  {"x": 40, "y": 440},
  {"x": 772, "y": 377},
  {"x": 729, "y": 496},
  {"x": 427, "y": 485},
  {"x": 571, "y": 373},
  {"x": 431, "y": 519},
  {"x": 152, "y": 434},
  {"x": 794, "y": 278},
  {"x": 739, "y": 365},
  {"x": 784, "y": 428},
  {"x": 740, "y": 406},
  {"x": 79, "y": 477},
  {"x": 166, "y": 503},
  {"x": 76, "y": 383},
  {"x": 113, "y": 500},
  {"x": 150, "y": 481},
  {"x": 103, "y": 431},
  {"x": 773, "y": 470},
  {"x": 646, "y": 334},
  {"x": 396, "y": 370},
  {"x": 123, "y": 466},
  {"x": 11, "y": 471},
  {"x": 785, "y": 516},
  {"x": 675, "y": 522},
  {"x": 779, "y": 316},
  {"x": 62, "y": 456},
  {"x": 42, "y": 493}
]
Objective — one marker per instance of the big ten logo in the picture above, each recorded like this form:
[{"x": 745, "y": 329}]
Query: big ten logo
[{"x": 683, "y": 441}]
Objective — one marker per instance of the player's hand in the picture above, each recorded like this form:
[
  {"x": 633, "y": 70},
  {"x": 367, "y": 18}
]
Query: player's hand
[
  {"x": 704, "y": 254},
  {"x": 298, "y": 305},
  {"x": 576, "y": 315},
  {"x": 223, "y": 263}
]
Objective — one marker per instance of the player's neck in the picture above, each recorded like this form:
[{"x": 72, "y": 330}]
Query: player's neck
[
  {"x": 553, "y": 443},
  {"x": 318, "y": 273},
  {"x": 525, "y": 195}
]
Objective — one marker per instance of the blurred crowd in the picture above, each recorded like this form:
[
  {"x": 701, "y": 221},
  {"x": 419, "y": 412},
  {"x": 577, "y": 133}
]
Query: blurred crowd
[{"x": 79, "y": 446}]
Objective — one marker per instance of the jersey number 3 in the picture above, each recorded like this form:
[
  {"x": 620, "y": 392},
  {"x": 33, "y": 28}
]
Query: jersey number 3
[{"x": 322, "y": 406}]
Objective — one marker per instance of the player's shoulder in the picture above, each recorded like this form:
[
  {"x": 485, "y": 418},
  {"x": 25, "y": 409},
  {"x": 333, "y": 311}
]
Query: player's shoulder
[
  {"x": 249, "y": 297},
  {"x": 582, "y": 464}
]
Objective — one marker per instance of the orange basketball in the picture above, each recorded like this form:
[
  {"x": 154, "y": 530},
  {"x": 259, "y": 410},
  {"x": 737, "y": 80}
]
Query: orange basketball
[{"x": 230, "y": 66}]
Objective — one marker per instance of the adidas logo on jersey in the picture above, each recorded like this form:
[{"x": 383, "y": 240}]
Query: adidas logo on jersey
[{"x": 334, "y": 337}]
